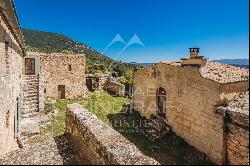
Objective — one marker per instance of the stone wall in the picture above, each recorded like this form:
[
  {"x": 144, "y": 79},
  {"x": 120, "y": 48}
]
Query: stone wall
[
  {"x": 97, "y": 143},
  {"x": 236, "y": 113},
  {"x": 190, "y": 101},
  {"x": 10, "y": 87},
  {"x": 114, "y": 88},
  {"x": 237, "y": 145},
  {"x": 68, "y": 70}
]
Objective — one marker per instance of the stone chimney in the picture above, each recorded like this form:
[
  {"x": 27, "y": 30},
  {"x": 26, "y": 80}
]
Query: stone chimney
[
  {"x": 195, "y": 59},
  {"x": 194, "y": 52}
]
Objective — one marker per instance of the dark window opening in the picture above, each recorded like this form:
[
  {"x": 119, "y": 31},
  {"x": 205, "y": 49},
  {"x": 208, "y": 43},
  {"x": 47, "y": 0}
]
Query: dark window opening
[
  {"x": 44, "y": 90},
  {"x": 69, "y": 68}
]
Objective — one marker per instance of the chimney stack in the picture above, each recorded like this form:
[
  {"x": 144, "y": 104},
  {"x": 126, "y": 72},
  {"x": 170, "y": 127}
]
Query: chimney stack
[
  {"x": 194, "y": 52},
  {"x": 195, "y": 59}
]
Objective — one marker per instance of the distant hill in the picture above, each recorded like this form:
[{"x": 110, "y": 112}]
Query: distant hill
[
  {"x": 235, "y": 62},
  {"x": 244, "y": 62}
]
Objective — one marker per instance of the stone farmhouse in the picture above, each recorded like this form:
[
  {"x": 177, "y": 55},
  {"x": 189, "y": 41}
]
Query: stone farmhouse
[
  {"x": 28, "y": 80},
  {"x": 193, "y": 98}
]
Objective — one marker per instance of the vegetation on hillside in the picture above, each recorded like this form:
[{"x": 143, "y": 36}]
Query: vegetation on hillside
[{"x": 96, "y": 62}]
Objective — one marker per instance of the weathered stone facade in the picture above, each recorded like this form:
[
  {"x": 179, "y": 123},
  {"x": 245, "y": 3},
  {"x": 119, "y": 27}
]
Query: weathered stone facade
[
  {"x": 11, "y": 54},
  {"x": 56, "y": 70},
  {"x": 191, "y": 94},
  {"x": 97, "y": 143},
  {"x": 66, "y": 70}
]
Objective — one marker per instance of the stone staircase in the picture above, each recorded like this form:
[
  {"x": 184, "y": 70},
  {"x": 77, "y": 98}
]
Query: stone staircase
[
  {"x": 158, "y": 128},
  {"x": 30, "y": 95}
]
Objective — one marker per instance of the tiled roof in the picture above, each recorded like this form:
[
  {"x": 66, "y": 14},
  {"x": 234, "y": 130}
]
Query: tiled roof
[
  {"x": 224, "y": 73},
  {"x": 239, "y": 103},
  {"x": 219, "y": 72}
]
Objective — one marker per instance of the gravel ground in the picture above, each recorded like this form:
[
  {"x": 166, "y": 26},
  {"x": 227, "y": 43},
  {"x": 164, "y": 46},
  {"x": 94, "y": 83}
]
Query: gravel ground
[{"x": 54, "y": 151}]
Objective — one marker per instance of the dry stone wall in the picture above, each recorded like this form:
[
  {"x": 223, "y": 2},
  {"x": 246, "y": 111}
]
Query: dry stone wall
[
  {"x": 97, "y": 143},
  {"x": 10, "y": 87}
]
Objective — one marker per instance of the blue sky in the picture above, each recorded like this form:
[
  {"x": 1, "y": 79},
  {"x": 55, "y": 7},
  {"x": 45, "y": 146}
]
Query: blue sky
[{"x": 167, "y": 28}]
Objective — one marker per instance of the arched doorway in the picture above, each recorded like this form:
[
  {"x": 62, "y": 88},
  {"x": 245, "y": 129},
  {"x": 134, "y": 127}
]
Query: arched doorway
[{"x": 161, "y": 102}]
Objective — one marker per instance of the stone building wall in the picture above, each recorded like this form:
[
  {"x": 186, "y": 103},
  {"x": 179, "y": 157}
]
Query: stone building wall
[
  {"x": 114, "y": 88},
  {"x": 237, "y": 145},
  {"x": 10, "y": 86},
  {"x": 236, "y": 114},
  {"x": 97, "y": 143},
  {"x": 190, "y": 101},
  {"x": 68, "y": 70}
]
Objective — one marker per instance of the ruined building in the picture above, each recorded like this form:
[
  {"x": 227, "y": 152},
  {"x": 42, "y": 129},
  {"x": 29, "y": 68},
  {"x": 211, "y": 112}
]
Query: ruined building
[
  {"x": 104, "y": 82},
  {"x": 193, "y": 97},
  {"x": 12, "y": 51}
]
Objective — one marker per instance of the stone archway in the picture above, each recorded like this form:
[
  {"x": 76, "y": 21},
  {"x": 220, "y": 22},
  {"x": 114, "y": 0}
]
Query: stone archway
[{"x": 161, "y": 102}]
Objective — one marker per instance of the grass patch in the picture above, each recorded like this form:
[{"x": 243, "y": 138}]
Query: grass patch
[{"x": 56, "y": 125}]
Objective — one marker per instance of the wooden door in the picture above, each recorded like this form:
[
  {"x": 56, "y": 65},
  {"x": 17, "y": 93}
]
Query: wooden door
[
  {"x": 30, "y": 66},
  {"x": 61, "y": 91}
]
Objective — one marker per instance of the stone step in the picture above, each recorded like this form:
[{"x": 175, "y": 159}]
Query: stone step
[
  {"x": 155, "y": 126},
  {"x": 30, "y": 89},
  {"x": 29, "y": 76},
  {"x": 30, "y": 115},
  {"x": 30, "y": 98},
  {"x": 30, "y": 106},
  {"x": 30, "y": 84},
  {"x": 30, "y": 79},
  {"x": 27, "y": 102},
  {"x": 29, "y": 111},
  {"x": 25, "y": 81},
  {"x": 30, "y": 92}
]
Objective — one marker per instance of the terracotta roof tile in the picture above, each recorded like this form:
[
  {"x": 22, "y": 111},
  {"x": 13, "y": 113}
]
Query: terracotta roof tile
[{"x": 224, "y": 73}]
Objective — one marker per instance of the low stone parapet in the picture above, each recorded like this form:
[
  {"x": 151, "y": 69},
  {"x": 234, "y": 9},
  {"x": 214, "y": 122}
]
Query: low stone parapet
[{"x": 97, "y": 143}]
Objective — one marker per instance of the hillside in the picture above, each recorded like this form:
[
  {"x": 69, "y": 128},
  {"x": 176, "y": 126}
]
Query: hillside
[{"x": 52, "y": 42}]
